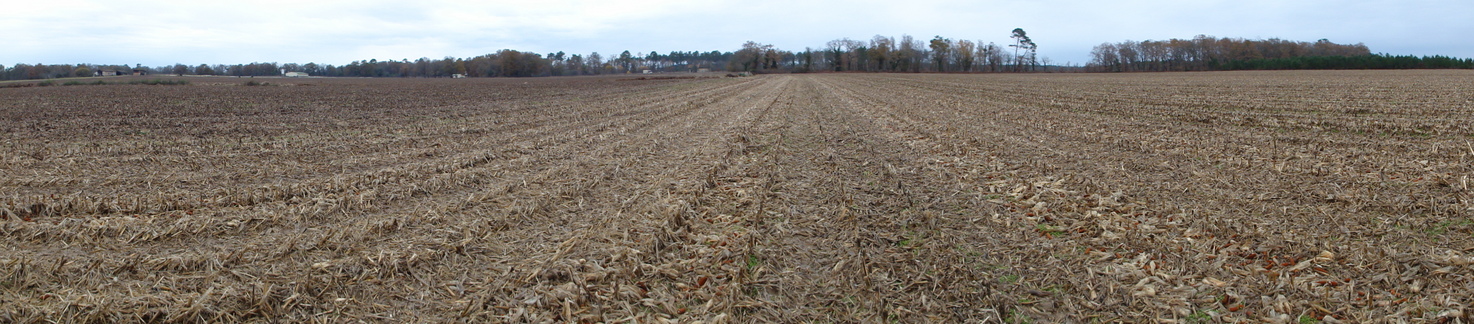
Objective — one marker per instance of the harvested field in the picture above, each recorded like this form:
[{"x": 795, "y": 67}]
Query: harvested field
[{"x": 1168, "y": 197}]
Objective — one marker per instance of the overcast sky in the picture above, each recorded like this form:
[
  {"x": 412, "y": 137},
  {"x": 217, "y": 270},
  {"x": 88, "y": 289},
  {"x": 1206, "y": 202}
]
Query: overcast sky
[{"x": 164, "y": 32}]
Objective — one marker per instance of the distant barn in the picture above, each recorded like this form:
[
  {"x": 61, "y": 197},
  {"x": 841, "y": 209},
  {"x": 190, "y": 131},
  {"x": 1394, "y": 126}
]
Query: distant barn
[
  {"x": 296, "y": 74},
  {"x": 457, "y": 76},
  {"x": 107, "y": 73}
]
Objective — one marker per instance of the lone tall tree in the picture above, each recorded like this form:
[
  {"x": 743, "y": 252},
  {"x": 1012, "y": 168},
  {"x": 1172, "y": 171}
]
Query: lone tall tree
[{"x": 1022, "y": 41}]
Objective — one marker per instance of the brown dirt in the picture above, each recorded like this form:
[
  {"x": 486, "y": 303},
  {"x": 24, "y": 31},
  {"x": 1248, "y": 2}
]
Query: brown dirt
[{"x": 1170, "y": 197}]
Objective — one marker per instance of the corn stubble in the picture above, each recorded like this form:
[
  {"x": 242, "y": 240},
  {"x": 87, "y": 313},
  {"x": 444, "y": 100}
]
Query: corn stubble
[{"x": 1173, "y": 197}]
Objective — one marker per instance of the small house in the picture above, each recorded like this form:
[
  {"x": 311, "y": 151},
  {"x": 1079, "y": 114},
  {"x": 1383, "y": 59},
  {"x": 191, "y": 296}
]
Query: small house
[
  {"x": 457, "y": 76},
  {"x": 648, "y": 72},
  {"x": 107, "y": 73},
  {"x": 296, "y": 74},
  {"x": 140, "y": 72}
]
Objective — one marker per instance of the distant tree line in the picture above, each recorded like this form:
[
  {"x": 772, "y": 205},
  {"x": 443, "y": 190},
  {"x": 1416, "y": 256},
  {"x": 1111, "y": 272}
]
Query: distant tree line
[
  {"x": 52, "y": 71},
  {"x": 1362, "y": 62},
  {"x": 504, "y": 63},
  {"x": 878, "y": 54},
  {"x": 512, "y": 63},
  {"x": 889, "y": 54},
  {"x": 1207, "y": 53}
]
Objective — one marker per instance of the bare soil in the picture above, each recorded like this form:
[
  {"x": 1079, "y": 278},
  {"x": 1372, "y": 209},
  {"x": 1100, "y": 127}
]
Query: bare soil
[{"x": 1335, "y": 196}]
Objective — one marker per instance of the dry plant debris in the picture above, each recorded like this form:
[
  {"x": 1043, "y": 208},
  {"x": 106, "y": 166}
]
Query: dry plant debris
[{"x": 1336, "y": 197}]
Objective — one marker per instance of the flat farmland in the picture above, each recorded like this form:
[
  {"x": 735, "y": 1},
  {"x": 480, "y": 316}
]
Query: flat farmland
[{"x": 1160, "y": 197}]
